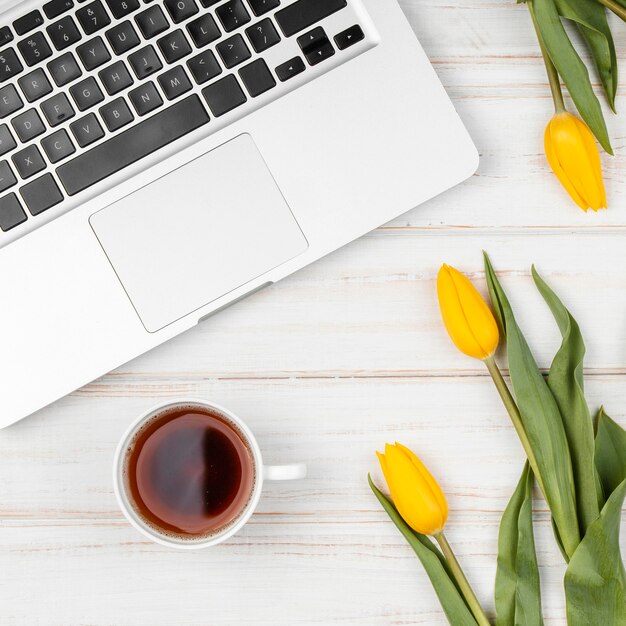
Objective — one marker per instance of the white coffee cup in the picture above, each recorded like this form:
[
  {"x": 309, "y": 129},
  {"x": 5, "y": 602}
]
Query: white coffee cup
[{"x": 261, "y": 473}]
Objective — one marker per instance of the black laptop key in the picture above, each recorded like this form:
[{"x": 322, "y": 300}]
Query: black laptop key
[
  {"x": 11, "y": 212},
  {"x": 34, "y": 48},
  {"x": 10, "y": 65},
  {"x": 54, "y": 8},
  {"x": 290, "y": 69},
  {"x": 132, "y": 145},
  {"x": 10, "y": 100},
  {"x": 92, "y": 17},
  {"x": 6, "y": 36},
  {"x": 203, "y": 30},
  {"x": 116, "y": 114},
  {"x": 87, "y": 130},
  {"x": 41, "y": 194},
  {"x": 263, "y": 35},
  {"x": 174, "y": 46},
  {"x": 28, "y": 22},
  {"x": 224, "y": 95},
  {"x": 257, "y": 78},
  {"x": 233, "y": 14},
  {"x": 57, "y": 109},
  {"x": 122, "y": 37},
  {"x": 35, "y": 85},
  {"x": 86, "y": 93},
  {"x": 152, "y": 21},
  {"x": 7, "y": 143},
  {"x": 28, "y": 125},
  {"x": 145, "y": 62},
  {"x": 93, "y": 53},
  {"x": 174, "y": 82},
  {"x": 122, "y": 8},
  {"x": 316, "y": 46},
  {"x": 349, "y": 37},
  {"x": 63, "y": 33},
  {"x": 7, "y": 178},
  {"x": 115, "y": 78},
  {"x": 64, "y": 69},
  {"x": 145, "y": 98},
  {"x": 304, "y": 13},
  {"x": 204, "y": 67},
  {"x": 58, "y": 146},
  {"x": 208, "y": 3},
  {"x": 28, "y": 161},
  {"x": 233, "y": 51},
  {"x": 180, "y": 10},
  {"x": 261, "y": 7}
]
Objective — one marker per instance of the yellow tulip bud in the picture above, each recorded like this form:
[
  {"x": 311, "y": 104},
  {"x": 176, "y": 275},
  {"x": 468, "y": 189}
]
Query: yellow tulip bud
[
  {"x": 415, "y": 493},
  {"x": 468, "y": 320},
  {"x": 574, "y": 158}
]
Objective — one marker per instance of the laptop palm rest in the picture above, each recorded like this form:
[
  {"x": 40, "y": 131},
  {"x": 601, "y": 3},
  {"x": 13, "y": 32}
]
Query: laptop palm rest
[{"x": 198, "y": 233}]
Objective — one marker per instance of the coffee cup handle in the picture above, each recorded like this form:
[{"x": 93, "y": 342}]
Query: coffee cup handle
[{"x": 294, "y": 471}]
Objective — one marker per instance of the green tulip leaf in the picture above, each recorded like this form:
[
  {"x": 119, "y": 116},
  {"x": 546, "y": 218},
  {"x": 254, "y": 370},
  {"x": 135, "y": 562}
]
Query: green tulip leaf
[
  {"x": 590, "y": 17},
  {"x": 595, "y": 580},
  {"x": 542, "y": 422},
  {"x": 518, "y": 590},
  {"x": 452, "y": 601},
  {"x": 566, "y": 384},
  {"x": 610, "y": 454},
  {"x": 571, "y": 68}
]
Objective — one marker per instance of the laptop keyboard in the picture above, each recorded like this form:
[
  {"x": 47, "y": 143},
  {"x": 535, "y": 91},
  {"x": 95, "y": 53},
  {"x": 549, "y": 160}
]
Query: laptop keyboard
[{"x": 90, "y": 88}]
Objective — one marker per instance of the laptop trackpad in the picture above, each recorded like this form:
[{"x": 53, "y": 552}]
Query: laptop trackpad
[{"x": 198, "y": 233}]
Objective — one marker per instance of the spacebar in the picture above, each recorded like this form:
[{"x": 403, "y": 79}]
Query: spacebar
[{"x": 131, "y": 145}]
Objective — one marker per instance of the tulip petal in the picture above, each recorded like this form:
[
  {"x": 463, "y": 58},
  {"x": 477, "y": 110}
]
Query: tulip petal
[{"x": 593, "y": 155}]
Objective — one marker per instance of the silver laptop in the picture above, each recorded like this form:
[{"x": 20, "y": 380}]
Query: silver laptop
[{"x": 161, "y": 159}]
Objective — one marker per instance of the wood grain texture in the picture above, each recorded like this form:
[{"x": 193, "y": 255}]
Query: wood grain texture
[{"x": 327, "y": 366}]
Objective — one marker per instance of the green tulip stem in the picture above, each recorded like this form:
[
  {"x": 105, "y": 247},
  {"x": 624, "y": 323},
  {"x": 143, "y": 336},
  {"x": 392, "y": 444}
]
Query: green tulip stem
[
  {"x": 620, "y": 11},
  {"x": 516, "y": 418},
  {"x": 553, "y": 75},
  {"x": 461, "y": 581}
]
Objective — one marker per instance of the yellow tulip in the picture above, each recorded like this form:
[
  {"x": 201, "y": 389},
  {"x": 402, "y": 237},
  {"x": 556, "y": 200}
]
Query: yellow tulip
[
  {"x": 468, "y": 319},
  {"x": 415, "y": 493},
  {"x": 574, "y": 158}
]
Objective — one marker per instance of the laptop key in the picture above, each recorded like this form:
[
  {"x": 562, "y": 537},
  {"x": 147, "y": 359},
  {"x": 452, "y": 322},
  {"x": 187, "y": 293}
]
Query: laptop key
[
  {"x": 233, "y": 15},
  {"x": 64, "y": 69},
  {"x": 152, "y": 22},
  {"x": 93, "y": 53},
  {"x": 145, "y": 62},
  {"x": 116, "y": 114},
  {"x": 7, "y": 178},
  {"x": 7, "y": 143},
  {"x": 122, "y": 8},
  {"x": 304, "y": 13},
  {"x": 54, "y": 8},
  {"x": 86, "y": 93},
  {"x": 174, "y": 82},
  {"x": 203, "y": 30},
  {"x": 86, "y": 130},
  {"x": 263, "y": 35},
  {"x": 233, "y": 51},
  {"x": 122, "y": 37},
  {"x": 93, "y": 17},
  {"x": 261, "y": 7},
  {"x": 115, "y": 78},
  {"x": 10, "y": 65},
  {"x": 132, "y": 145},
  {"x": 10, "y": 100},
  {"x": 57, "y": 109},
  {"x": 257, "y": 78},
  {"x": 34, "y": 49},
  {"x": 180, "y": 10},
  {"x": 6, "y": 36},
  {"x": 28, "y": 161},
  {"x": 58, "y": 146},
  {"x": 224, "y": 95},
  {"x": 28, "y": 22},
  {"x": 35, "y": 85},
  {"x": 290, "y": 69},
  {"x": 28, "y": 125},
  {"x": 204, "y": 67},
  {"x": 174, "y": 46},
  {"x": 349, "y": 37},
  {"x": 11, "y": 212},
  {"x": 145, "y": 98},
  {"x": 63, "y": 33},
  {"x": 41, "y": 194}
]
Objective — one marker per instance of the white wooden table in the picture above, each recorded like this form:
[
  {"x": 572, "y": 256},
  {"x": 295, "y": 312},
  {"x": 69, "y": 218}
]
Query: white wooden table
[{"x": 327, "y": 366}]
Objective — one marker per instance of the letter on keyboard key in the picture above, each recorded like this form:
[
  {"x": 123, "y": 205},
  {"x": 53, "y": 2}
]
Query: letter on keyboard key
[
  {"x": 132, "y": 145},
  {"x": 41, "y": 194},
  {"x": 305, "y": 13}
]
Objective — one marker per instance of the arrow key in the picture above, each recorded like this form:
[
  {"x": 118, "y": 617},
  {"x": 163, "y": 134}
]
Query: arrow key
[
  {"x": 290, "y": 69},
  {"x": 349, "y": 37}
]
